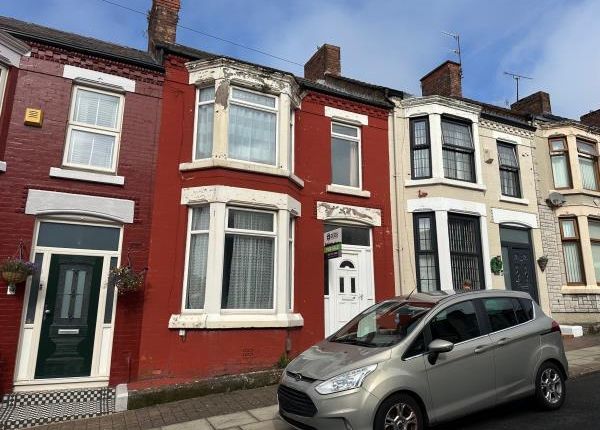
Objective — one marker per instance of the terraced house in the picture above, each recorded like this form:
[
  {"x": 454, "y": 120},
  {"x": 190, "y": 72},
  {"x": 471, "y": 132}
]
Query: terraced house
[
  {"x": 465, "y": 206},
  {"x": 78, "y": 135},
  {"x": 568, "y": 198}
]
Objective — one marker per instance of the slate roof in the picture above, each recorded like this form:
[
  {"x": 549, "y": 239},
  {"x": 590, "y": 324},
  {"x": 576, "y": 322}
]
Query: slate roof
[{"x": 33, "y": 32}]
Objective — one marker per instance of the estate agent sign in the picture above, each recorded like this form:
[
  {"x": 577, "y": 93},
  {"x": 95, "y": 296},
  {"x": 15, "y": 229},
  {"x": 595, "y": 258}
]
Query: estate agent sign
[{"x": 332, "y": 241}]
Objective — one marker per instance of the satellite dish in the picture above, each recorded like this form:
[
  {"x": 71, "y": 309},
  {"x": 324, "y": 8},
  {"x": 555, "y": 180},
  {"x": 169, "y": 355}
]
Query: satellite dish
[{"x": 556, "y": 199}]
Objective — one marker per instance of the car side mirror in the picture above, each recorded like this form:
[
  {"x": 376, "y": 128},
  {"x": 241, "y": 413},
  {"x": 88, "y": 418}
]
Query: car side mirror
[{"x": 437, "y": 347}]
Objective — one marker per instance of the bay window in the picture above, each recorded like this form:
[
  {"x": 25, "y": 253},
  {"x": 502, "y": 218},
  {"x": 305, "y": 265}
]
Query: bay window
[
  {"x": 559, "y": 159},
  {"x": 345, "y": 155},
  {"x": 94, "y": 130},
  {"x": 252, "y": 126},
  {"x": 426, "y": 252},
  {"x": 458, "y": 150},
  {"x": 3, "y": 79},
  {"x": 588, "y": 164},
  {"x": 466, "y": 260},
  {"x": 509, "y": 170},
  {"x": 204, "y": 123},
  {"x": 594, "y": 228},
  {"x": 420, "y": 148},
  {"x": 569, "y": 233},
  {"x": 239, "y": 259}
]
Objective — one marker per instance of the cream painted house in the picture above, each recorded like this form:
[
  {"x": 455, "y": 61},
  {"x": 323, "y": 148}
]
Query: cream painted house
[{"x": 464, "y": 196}]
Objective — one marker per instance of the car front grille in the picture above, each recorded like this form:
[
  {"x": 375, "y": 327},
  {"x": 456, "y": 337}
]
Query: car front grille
[{"x": 295, "y": 402}]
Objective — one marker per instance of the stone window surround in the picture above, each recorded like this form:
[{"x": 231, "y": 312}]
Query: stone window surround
[
  {"x": 582, "y": 214},
  {"x": 434, "y": 108},
  {"x": 213, "y": 317},
  {"x": 441, "y": 206},
  {"x": 224, "y": 73}
]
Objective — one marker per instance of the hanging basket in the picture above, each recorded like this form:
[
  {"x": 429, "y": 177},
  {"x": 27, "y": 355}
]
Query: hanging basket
[
  {"x": 14, "y": 271},
  {"x": 125, "y": 280}
]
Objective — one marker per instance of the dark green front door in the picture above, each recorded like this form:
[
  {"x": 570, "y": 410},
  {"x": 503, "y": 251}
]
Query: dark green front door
[{"x": 69, "y": 320}]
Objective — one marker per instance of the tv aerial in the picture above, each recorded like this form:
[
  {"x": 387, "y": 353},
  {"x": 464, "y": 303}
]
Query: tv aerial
[
  {"x": 517, "y": 78},
  {"x": 457, "y": 50}
]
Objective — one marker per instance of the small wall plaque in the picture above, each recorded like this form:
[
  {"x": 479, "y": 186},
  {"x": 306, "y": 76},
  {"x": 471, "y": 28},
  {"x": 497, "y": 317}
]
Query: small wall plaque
[{"x": 34, "y": 117}]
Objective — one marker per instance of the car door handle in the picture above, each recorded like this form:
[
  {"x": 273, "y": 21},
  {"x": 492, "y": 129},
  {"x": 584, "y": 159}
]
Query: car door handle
[
  {"x": 482, "y": 348},
  {"x": 503, "y": 341}
]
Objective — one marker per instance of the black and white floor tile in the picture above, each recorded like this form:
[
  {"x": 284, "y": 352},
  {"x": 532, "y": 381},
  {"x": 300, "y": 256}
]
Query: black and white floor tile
[{"x": 27, "y": 409}]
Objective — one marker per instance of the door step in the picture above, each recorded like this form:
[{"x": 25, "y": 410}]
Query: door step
[{"x": 28, "y": 409}]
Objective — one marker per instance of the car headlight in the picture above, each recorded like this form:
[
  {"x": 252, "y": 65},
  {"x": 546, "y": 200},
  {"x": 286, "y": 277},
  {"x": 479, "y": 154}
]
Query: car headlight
[{"x": 345, "y": 381}]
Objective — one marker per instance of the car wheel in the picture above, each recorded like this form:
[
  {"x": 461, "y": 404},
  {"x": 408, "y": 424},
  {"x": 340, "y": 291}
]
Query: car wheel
[
  {"x": 550, "y": 387},
  {"x": 399, "y": 412}
]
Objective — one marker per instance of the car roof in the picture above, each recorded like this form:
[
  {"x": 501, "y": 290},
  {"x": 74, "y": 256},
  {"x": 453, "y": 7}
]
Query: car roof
[{"x": 438, "y": 296}]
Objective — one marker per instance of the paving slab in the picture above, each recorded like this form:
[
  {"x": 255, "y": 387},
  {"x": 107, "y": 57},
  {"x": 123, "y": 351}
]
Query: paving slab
[
  {"x": 265, "y": 414},
  {"x": 231, "y": 420},
  {"x": 268, "y": 425},
  {"x": 201, "y": 424}
]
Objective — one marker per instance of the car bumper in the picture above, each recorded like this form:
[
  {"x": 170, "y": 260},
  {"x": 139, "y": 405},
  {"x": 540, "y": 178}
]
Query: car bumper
[{"x": 354, "y": 410}]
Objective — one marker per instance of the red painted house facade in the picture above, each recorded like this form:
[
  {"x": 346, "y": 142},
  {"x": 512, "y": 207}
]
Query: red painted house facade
[
  {"x": 76, "y": 188},
  {"x": 254, "y": 165}
]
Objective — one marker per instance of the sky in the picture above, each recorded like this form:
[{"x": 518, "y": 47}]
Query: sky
[{"x": 386, "y": 42}]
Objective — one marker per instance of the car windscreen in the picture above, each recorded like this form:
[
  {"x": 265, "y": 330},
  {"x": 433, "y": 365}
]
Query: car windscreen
[{"x": 382, "y": 325}]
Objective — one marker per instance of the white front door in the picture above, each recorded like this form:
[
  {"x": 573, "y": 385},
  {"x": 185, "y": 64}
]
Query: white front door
[{"x": 350, "y": 287}]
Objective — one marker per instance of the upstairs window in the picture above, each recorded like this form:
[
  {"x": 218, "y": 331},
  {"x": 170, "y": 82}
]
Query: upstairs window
[
  {"x": 509, "y": 170},
  {"x": 559, "y": 159},
  {"x": 345, "y": 155},
  {"x": 205, "y": 123},
  {"x": 458, "y": 150},
  {"x": 588, "y": 164},
  {"x": 569, "y": 233},
  {"x": 252, "y": 126},
  {"x": 94, "y": 130},
  {"x": 420, "y": 148}
]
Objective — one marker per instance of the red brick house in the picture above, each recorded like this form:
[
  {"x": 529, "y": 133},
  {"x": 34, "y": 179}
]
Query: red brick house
[
  {"x": 254, "y": 166},
  {"x": 76, "y": 191}
]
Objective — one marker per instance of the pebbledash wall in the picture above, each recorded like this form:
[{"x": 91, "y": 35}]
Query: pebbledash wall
[
  {"x": 41, "y": 81},
  {"x": 179, "y": 345}
]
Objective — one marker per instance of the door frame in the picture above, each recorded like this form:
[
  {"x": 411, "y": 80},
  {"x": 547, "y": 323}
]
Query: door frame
[
  {"x": 367, "y": 252},
  {"x": 522, "y": 246},
  {"x": 29, "y": 339}
]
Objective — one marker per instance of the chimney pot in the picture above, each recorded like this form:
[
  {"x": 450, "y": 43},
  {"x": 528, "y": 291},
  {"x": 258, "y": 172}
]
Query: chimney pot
[
  {"x": 326, "y": 61},
  {"x": 444, "y": 80},
  {"x": 162, "y": 22},
  {"x": 591, "y": 119},
  {"x": 534, "y": 104}
]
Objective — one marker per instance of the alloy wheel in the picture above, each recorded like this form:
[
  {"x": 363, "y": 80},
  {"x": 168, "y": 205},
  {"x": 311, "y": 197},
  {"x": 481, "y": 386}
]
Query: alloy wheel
[
  {"x": 552, "y": 386},
  {"x": 401, "y": 416}
]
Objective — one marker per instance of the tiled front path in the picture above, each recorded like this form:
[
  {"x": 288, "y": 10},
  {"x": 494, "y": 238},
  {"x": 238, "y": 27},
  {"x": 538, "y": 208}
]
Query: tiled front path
[{"x": 254, "y": 410}]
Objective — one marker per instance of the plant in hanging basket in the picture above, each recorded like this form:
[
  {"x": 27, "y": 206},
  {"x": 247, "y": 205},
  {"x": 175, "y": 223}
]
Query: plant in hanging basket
[
  {"x": 16, "y": 270},
  {"x": 125, "y": 279}
]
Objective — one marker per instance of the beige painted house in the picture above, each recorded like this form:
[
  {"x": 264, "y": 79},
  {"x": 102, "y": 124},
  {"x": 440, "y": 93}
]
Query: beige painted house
[
  {"x": 464, "y": 190},
  {"x": 568, "y": 185}
]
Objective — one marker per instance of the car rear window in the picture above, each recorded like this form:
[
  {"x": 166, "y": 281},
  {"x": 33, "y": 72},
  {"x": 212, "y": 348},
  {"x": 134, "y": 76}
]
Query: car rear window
[
  {"x": 501, "y": 313},
  {"x": 527, "y": 306}
]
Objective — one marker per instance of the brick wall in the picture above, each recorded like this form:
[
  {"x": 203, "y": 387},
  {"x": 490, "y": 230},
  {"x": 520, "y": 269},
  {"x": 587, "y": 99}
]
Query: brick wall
[{"x": 31, "y": 152}]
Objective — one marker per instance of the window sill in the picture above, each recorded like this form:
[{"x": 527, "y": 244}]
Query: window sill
[
  {"x": 2, "y": 166},
  {"x": 572, "y": 191},
  {"x": 583, "y": 289},
  {"x": 444, "y": 181},
  {"x": 228, "y": 321},
  {"x": 79, "y": 175},
  {"x": 239, "y": 165},
  {"x": 515, "y": 200},
  {"x": 340, "y": 189}
]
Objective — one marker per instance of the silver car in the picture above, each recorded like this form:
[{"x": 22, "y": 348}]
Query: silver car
[{"x": 415, "y": 361}]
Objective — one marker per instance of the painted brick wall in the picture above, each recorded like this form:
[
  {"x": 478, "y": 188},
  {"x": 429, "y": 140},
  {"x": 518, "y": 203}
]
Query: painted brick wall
[
  {"x": 165, "y": 357},
  {"x": 31, "y": 152}
]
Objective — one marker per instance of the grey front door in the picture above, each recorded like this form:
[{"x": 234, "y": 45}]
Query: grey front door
[
  {"x": 517, "y": 256},
  {"x": 69, "y": 319}
]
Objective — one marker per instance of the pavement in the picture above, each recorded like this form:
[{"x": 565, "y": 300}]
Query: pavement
[{"x": 256, "y": 409}]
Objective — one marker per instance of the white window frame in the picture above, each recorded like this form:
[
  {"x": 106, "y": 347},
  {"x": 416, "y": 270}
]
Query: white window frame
[
  {"x": 357, "y": 139},
  {"x": 188, "y": 242},
  {"x": 263, "y": 108},
  {"x": 291, "y": 262},
  {"x": 272, "y": 234},
  {"x": 198, "y": 104},
  {"x": 74, "y": 125},
  {"x": 292, "y": 146}
]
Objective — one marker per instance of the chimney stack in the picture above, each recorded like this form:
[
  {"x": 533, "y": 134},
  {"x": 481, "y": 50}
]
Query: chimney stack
[
  {"x": 444, "y": 80},
  {"x": 534, "y": 104},
  {"x": 162, "y": 22},
  {"x": 326, "y": 61},
  {"x": 592, "y": 119}
]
